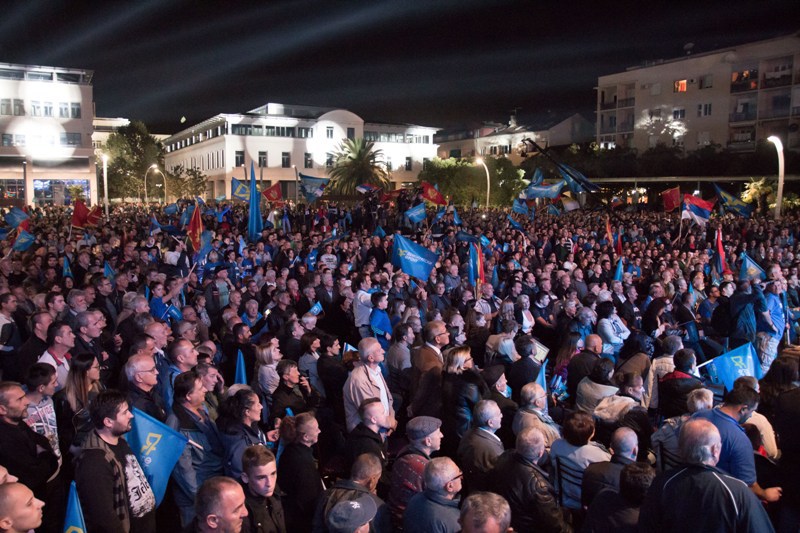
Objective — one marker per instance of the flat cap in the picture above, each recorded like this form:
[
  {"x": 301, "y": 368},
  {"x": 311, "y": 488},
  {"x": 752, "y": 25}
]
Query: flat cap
[
  {"x": 492, "y": 373},
  {"x": 421, "y": 426}
]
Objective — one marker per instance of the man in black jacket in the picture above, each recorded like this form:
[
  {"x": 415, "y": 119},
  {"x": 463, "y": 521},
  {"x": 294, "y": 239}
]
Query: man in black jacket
[
  {"x": 263, "y": 502},
  {"x": 142, "y": 375},
  {"x": 366, "y": 437},
  {"x": 582, "y": 364},
  {"x": 518, "y": 478},
  {"x": 605, "y": 474}
]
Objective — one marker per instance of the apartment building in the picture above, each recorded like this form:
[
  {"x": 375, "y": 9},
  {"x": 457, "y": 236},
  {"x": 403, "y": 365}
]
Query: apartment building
[
  {"x": 733, "y": 97},
  {"x": 284, "y": 140},
  {"x": 46, "y": 130}
]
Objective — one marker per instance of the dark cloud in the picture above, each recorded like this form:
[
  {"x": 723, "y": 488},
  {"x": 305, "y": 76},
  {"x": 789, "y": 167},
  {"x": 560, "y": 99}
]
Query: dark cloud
[{"x": 441, "y": 63}]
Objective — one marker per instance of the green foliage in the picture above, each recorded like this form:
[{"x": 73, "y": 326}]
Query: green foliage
[
  {"x": 76, "y": 192},
  {"x": 355, "y": 162},
  {"x": 132, "y": 150},
  {"x": 186, "y": 183},
  {"x": 464, "y": 181},
  {"x": 758, "y": 191}
]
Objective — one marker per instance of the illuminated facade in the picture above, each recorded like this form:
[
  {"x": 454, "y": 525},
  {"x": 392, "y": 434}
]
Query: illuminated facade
[
  {"x": 732, "y": 97},
  {"x": 284, "y": 139},
  {"x": 46, "y": 127}
]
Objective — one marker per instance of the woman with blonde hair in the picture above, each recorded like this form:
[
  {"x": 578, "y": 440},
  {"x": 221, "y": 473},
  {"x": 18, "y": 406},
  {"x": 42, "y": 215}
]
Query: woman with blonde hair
[
  {"x": 267, "y": 357},
  {"x": 462, "y": 388}
]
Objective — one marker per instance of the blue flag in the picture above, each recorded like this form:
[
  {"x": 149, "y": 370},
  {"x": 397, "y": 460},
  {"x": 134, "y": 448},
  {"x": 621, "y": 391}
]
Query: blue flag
[
  {"x": 439, "y": 214},
  {"x": 618, "y": 273},
  {"x": 575, "y": 180},
  {"x": 15, "y": 217},
  {"x": 495, "y": 278},
  {"x": 316, "y": 309},
  {"x": 417, "y": 213},
  {"x": 155, "y": 227},
  {"x": 475, "y": 264},
  {"x": 739, "y": 362},
  {"x": 413, "y": 259},
  {"x": 514, "y": 224},
  {"x": 221, "y": 214},
  {"x": 220, "y": 198},
  {"x": 171, "y": 209},
  {"x": 66, "y": 271},
  {"x": 312, "y": 188},
  {"x": 733, "y": 204},
  {"x": 538, "y": 177},
  {"x": 379, "y": 232},
  {"x": 542, "y": 191},
  {"x": 199, "y": 200},
  {"x": 457, "y": 219},
  {"x": 241, "y": 373},
  {"x": 520, "y": 206},
  {"x": 750, "y": 269},
  {"x": 553, "y": 210},
  {"x": 541, "y": 379},
  {"x": 186, "y": 216},
  {"x": 485, "y": 242},
  {"x": 174, "y": 313},
  {"x": 254, "y": 224},
  {"x": 109, "y": 272},
  {"x": 205, "y": 244},
  {"x": 24, "y": 241},
  {"x": 311, "y": 259},
  {"x": 73, "y": 521},
  {"x": 157, "y": 448},
  {"x": 348, "y": 348},
  {"x": 466, "y": 237},
  {"x": 239, "y": 190}
]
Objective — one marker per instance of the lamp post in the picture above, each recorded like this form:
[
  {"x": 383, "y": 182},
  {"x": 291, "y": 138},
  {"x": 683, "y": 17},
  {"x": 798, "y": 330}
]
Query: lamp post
[
  {"x": 105, "y": 181},
  {"x": 165, "y": 182},
  {"x": 480, "y": 161},
  {"x": 779, "y": 148},
  {"x": 151, "y": 167},
  {"x": 296, "y": 186}
]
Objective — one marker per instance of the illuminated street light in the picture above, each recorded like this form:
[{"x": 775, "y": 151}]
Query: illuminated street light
[
  {"x": 480, "y": 161},
  {"x": 779, "y": 148},
  {"x": 151, "y": 167},
  {"x": 105, "y": 181}
]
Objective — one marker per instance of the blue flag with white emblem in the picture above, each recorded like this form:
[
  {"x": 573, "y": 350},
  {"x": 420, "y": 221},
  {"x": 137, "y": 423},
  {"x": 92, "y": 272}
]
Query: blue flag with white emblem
[
  {"x": 239, "y": 190},
  {"x": 413, "y": 259},
  {"x": 750, "y": 269},
  {"x": 417, "y": 213},
  {"x": 24, "y": 241},
  {"x": 542, "y": 191},
  {"x": 439, "y": 214},
  {"x": 157, "y": 448},
  {"x": 733, "y": 204},
  {"x": 73, "y": 521},
  {"x": 739, "y": 362},
  {"x": 316, "y": 309}
]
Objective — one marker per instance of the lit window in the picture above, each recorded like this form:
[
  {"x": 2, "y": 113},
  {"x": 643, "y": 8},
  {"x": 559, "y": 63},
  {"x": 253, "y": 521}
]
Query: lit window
[{"x": 680, "y": 86}]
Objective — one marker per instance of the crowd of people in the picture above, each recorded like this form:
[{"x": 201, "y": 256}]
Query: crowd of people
[{"x": 557, "y": 384}]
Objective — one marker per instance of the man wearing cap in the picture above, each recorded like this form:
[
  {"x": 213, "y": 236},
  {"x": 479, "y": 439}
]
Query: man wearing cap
[
  {"x": 351, "y": 516},
  {"x": 218, "y": 291},
  {"x": 425, "y": 437}
]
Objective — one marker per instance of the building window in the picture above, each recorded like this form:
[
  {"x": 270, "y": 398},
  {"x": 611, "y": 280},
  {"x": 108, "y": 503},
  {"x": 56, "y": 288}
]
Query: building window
[
  {"x": 389, "y": 164},
  {"x": 308, "y": 161},
  {"x": 47, "y": 109},
  {"x": 239, "y": 159},
  {"x": 75, "y": 110},
  {"x": 678, "y": 113},
  {"x": 36, "y": 109},
  {"x": 703, "y": 138},
  {"x": 70, "y": 139},
  {"x": 655, "y": 89},
  {"x": 679, "y": 86},
  {"x": 269, "y": 131},
  {"x": 655, "y": 113},
  {"x": 408, "y": 164},
  {"x": 351, "y": 133},
  {"x": 262, "y": 159},
  {"x": 704, "y": 110},
  {"x": 329, "y": 132},
  {"x": 19, "y": 140},
  {"x": 5, "y": 106},
  {"x": 286, "y": 160},
  {"x": 19, "y": 107},
  {"x": 305, "y": 133},
  {"x": 329, "y": 161},
  {"x": 707, "y": 81},
  {"x": 8, "y": 139},
  {"x": 63, "y": 110}
]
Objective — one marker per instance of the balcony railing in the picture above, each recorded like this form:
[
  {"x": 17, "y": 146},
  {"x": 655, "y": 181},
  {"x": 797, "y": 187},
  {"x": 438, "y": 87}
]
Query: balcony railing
[
  {"x": 776, "y": 79},
  {"x": 741, "y": 146},
  {"x": 778, "y": 112},
  {"x": 743, "y": 117},
  {"x": 607, "y": 105},
  {"x": 626, "y": 102},
  {"x": 623, "y": 127},
  {"x": 744, "y": 85},
  {"x": 608, "y": 129}
]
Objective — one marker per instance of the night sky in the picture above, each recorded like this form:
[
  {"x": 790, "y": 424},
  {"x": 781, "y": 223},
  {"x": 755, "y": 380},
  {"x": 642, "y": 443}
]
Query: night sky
[{"x": 437, "y": 63}]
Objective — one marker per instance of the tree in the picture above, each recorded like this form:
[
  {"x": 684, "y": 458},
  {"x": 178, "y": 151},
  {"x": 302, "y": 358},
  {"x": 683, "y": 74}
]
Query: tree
[
  {"x": 132, "y": 151},
  {"x": 357, "y": 162},
  {"x": 186, "y": 183},
  {"x": 758, "y": 191}
]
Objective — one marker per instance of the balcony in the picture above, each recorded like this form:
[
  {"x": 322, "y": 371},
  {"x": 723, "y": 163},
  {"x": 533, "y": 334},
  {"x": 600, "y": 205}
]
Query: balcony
[
  {"x": 778, "y": 112},
  {"x": 749, "y": 84},
  {"x": 607, "y": 105},
  {"x": 741, "y": 146},
  {"x": 776, "y": 79},
  {"x": 607, "y": 129},
  {"x": 626, "y": 102},
  {"x": 624, "y": 127},
  {"x": 743, "y": 117}
]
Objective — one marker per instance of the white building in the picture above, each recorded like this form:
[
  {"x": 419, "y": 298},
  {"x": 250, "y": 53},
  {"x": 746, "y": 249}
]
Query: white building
[
  {"x": 732, "y": 97},
  {"x": 46, "y": 126},
  {"x": 283, "y": 140},
  {"x": 505, "y": 139}
]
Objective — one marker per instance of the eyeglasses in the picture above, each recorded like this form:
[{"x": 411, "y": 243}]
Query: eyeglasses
[
  {"x": 459, "y": 476},
  {"x": 151, "y": 371},
  {"x": 442, "y": 333}
]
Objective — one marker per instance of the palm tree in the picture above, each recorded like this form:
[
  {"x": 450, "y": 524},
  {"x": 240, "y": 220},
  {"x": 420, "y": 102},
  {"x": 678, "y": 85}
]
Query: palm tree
[
  {"x": 356, "y": 162},
  {"x": 758, "y": 191}
]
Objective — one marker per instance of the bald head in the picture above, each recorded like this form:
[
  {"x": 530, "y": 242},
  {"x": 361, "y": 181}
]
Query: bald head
[
  {"x": 532, "y": 395},
  {"x": 530, "y": 443},
  {"x": 625, "y": 443},
  {"x": 700, "y": 442},
  {"x": 594, "y": 343},
  {"x": 19, "y": 509}
]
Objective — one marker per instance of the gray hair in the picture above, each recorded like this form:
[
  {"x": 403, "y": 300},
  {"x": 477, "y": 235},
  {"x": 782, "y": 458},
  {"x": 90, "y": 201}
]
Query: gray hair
[
  {"x": 671, "y": 344},
  {"x": 73, "y": 295},
  {"x": 482, "y": 506},
  {"x": 700, "y": 399},
  {"x": 366, "y": 346},
  {"x": 484, "y": 411},
  {"x": 530, "y": 443},
  {"x": 438, "y": 472},
  {"x": 134, "y": 364},
  {"x": 529, "y": 393},
  {"x": 624, "y": 441},
  {"x": 697, "y": 438}
]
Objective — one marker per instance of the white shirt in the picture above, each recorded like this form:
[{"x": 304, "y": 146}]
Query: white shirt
[
  {"x": 61, "y": 369},
  {"x": 377, "y": 379}
]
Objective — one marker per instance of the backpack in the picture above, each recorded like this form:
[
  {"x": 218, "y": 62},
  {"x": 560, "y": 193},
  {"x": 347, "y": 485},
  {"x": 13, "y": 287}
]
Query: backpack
[{"x": 721, "y": 319}]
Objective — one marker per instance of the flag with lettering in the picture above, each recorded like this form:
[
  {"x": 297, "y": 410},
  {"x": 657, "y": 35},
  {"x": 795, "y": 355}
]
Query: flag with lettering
[
  {"x": 316, "y": 309},
  {"x": 416, "y": 214},
  {"x": 414, "y": 259},
  {"x": 157, "y": 447},
  {"x": 739, "y": 362},
  {"x": 73, "y": 521},
  {"x": 542, "y": 191}
]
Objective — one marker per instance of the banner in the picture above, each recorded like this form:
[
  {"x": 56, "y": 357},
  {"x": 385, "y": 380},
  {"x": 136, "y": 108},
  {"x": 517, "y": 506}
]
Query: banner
[
  {"x": 73, "y": 521},
  {"x": 737, "y": 363},
  {"x": 750, "y": 269},
  {"x": 732, "y": 204},
  {"x": 254, "y": 223},
  {"x": 413, "y": 259},
  {"x": 157, "y": 447},
  {"x": 312, "y": 188},
  {"x": 417, "y": 213},
  {"x": 671, "y": 199},
  {"x": 542, "y": 191}
]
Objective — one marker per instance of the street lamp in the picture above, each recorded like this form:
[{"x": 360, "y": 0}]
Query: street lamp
[
  {"x": 779, "y": 148},
  {"x": 151, "y": 167},
  {"x": 164, "y": 177},
  {"x": 480, "y": 161},
  {"x": 105, "y": 181}
]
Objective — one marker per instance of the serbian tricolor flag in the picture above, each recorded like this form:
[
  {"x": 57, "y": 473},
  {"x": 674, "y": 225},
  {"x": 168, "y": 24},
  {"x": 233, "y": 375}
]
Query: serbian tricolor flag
[
  {"x": 195, "y": 230},
  {"x": 671, "y": 199},
  {"x": 720, "y": 264},
  {"x": 273, "y": 194},
  {"x": 430, "y": 194},
  {"x": 696, "y": 209}
]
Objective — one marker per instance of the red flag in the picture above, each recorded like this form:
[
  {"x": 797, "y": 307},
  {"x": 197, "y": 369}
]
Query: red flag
[
  {"x": 79, "y": 214},
  {"x": 273, "y": 193},
  {"x": 430, "y": 194},
  {"x": 391, "y": 195},
  {"x": 671, "y": 199},
  {"x": 195, "y": 229},
  {"x": 94, "y": 216}
]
